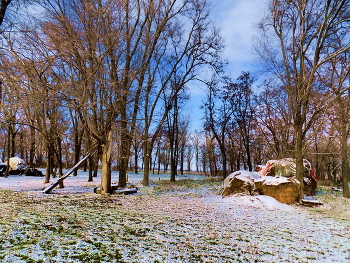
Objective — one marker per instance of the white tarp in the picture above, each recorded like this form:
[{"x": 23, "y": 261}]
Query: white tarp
[{"x": 17, "y": 163}]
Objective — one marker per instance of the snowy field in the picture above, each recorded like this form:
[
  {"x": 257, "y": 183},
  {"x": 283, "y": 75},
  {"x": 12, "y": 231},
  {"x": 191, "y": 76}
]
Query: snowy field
[
  {"x": 77, "y": 183},
  {"x": 187, "y": 221}
]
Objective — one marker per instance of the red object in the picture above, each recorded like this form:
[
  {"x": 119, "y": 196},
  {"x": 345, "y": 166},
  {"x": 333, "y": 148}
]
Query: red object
[
  {"x": 267, "y": 168},
  {"x": 312, "y": 172}
]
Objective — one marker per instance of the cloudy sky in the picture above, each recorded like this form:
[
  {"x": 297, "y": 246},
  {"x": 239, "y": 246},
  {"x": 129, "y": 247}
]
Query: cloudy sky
[{"x": 237, "y": 20}]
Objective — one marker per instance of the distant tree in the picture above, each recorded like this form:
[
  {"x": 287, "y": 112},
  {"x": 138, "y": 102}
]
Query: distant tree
[
  {"x": 244, "y": 104},
  {"x": 218, "y": 113},
  {"x": 338, "y": 80},
  {"x": 189, "y": 151},
  {"x": 179, "y": 56},
  {"x": 275, "y": 121},
  {"x": 173, "y": 133},
  {"x": 196, "y": 145}
]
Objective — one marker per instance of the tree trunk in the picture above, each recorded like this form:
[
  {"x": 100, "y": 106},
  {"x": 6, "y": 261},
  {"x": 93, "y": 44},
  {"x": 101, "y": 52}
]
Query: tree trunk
[
  {"x": 173, "y": 166},
  {"x": 299, "y": 157},
  {"x": 91, "y": 168},
  {"x": 12, "y": 136},
  {"x": 197, "y": 159},
  {"x": 345, "y": 170},
  {"x": 106, "y": 180},
  {"x": 249, "y": 156},
  {"x": 145, "y": 181},
  {"x": 77, "y": 147},
  {"x": 32, "y": 146},
  {"x": 48, "y": 163},
  {"x": 136, "y": 158},
  {"x": 345, "y": 175},
  {"x": 8, "y": 153},
  {"x": 124, "y": 149},
  {"x": 96, "y": 160},
  {"x": 182, "y": 159},
  {"x": 59, "y": 160}
]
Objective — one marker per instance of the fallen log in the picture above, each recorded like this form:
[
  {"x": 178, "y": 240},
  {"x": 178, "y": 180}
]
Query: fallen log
[
  {"x": 67, "y": 174},
  {"x": 119, "y": 191},
  {"x": 310, "y": 201},
  {"x": 125, "y": 191}
]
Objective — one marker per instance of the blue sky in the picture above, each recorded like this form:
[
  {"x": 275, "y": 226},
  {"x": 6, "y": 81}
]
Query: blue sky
[{"x": 237, "y": 20}]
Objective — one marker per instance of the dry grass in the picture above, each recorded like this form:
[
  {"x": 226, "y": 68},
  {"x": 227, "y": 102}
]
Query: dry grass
[
  {"x": 334, "y": 204},
  {"x": 152, "y": 227},
  {"x": 168, "y": 222}
]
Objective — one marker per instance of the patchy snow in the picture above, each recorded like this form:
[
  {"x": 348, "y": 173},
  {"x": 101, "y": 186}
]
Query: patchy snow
[
  {"x": 272, "y": 180},
  {"x": 245, "y": 173},
  {"x": 72, "y": 184},
  {"x": 79, "y": 184},
  {"x": 259, "y": 201},
  {"x": 166, "y": 227}
]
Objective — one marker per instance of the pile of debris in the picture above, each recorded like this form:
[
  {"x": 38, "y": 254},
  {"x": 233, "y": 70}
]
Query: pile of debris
[
  {"x": 277, "y": 179},
  {"x": 17, "y": 166}
]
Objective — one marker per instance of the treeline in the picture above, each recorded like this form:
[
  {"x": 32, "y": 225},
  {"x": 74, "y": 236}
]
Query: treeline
[
  {"x": 303, "y": 105},
  {"x": 113, "y": 75},
  {"x": 77, "y": 75}
]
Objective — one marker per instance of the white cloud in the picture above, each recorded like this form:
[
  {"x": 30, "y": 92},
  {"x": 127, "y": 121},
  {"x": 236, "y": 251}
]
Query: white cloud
[{"x": 237, "y": 20}]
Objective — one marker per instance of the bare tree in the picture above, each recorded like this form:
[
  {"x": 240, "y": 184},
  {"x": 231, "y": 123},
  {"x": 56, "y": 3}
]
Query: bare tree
[
  {"x": 244, "y": 105},
  {"x": 3, "y": 8},
  {"x": 275, "y": 121},
  {"x": 338, "y": 79},
  {"x": 296, "y": 44},
  {"x": 218, "y": 114},
  {"x": 178, "y": 58}
]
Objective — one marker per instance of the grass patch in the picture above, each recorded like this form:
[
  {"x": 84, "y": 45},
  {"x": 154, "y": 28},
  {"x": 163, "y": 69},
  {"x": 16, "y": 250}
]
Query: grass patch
[
  {"x": 334, "y": 204},
  {"x": 212, "y": 183},
  {"x": 166, "y": 222}
]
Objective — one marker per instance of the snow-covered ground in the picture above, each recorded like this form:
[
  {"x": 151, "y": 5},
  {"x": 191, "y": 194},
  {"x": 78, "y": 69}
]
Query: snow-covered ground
[
  {"x": 172, "y": 227},
  {"x": 80, "y": 184},
  {"x": 77, "y": 183}
]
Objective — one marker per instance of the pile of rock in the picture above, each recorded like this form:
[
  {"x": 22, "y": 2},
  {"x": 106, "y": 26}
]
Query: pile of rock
[
  {"x": 277, "y": 179},
  {"x": 283, "y": 189}
]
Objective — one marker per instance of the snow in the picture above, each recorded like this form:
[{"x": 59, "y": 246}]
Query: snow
[
  {"x": 245, "y": 173},
  {"x": 258, "y": 201},
  {"x": 272, "y": 180},
  {"x": 79, "y": 184},
  {"x": 174, "y": 226}
]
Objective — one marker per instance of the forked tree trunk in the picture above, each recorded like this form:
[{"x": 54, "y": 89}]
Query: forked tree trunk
[{"x": 106, "y": 181}]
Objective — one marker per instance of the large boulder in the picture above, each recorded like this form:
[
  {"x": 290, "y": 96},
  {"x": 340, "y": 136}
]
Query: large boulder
[
  {"x": 240, "y": 182},
  {"x": 287, "y": 167},
  {"x": 283, "y": 189}
]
